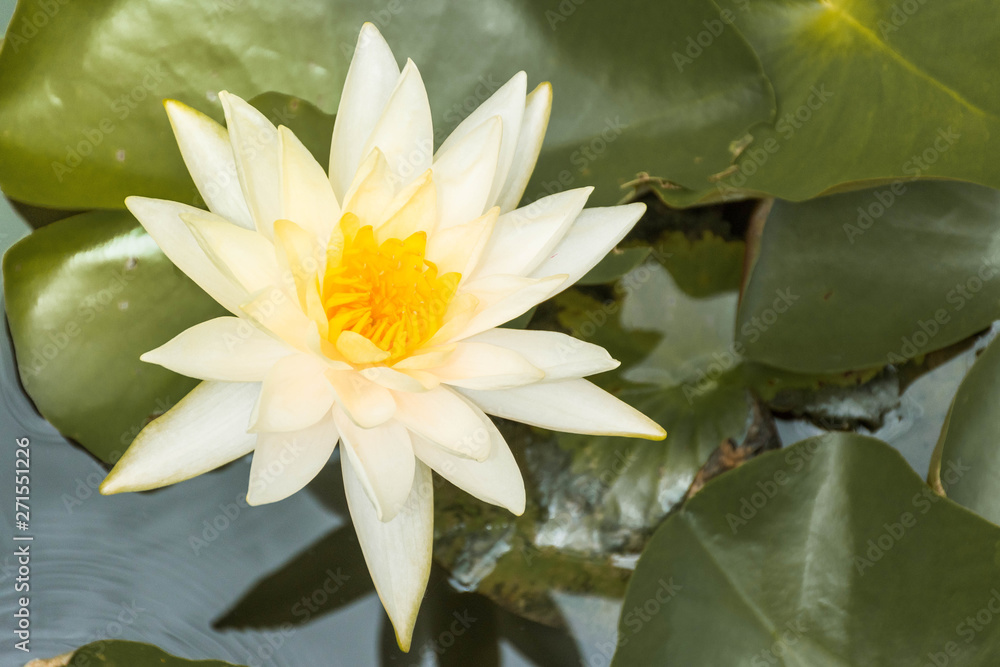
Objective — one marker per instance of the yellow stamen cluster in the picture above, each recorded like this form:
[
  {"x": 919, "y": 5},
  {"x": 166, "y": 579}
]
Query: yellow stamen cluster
[{"x": 387, "y": 292}]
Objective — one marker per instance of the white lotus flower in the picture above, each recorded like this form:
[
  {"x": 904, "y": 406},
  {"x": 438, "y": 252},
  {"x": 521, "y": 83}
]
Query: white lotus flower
[{"x": 365, "y": 305}]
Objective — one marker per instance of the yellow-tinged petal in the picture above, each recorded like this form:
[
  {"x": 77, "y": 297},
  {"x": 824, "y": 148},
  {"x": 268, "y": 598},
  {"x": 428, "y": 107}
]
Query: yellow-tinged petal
[{"x": 359, "y": 350}]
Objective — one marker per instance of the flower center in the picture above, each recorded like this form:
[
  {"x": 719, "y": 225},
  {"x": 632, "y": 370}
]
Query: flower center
[{"x": 387, "y": 292}]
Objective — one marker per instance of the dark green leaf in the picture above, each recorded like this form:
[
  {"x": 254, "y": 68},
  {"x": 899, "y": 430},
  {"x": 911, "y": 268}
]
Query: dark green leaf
[
  {"x": 847, "y": 283},
  {"x": 867, "y": 92},
  {"x": 83, "y": 126},
  {"x": 832, "y": 552}
]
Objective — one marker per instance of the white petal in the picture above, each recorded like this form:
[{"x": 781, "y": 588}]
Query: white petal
[
  {"x": 383, "y": 460},
  {"x": 367, "y": 403},
  {"x": 572, "y": 406},
  {"x": 398, "y": 552},
  {"x": 283, "y": 463},
  {"x": 458, "y": 248},
  {"x": 558, "y": 355},
  {"x": 507, "y": 103},
  {"x": 295, "y": 395},
  {"x": 370, "y": 80},
  {"x": 206, "y": 429},
  {"x": 524, "y": 238},
  {"x": 307, "y": 197},
  {"x": 501, "y": 298},
  {"x": 275, "y": 311},
  {"x": 446, "y": 419},
  {"x": 162, "y": 220},
  {"x": 529, "y": 145},
  {"x": 497, "y": 480},
  {"x": 593, "y": 235},
  {"x": 245, "y": 255},
  {"x": 464, "y": 174},
  {"x": 208, "y": 155},
  {"x": 405, "y": 132},
  {"x": 391, "y": 379},
  {"x": 228, "y": 349},
  {"x": 258, "y": 159},
  {"x": 484, "y": 366}
]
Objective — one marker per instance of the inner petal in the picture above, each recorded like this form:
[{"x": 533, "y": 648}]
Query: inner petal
[{"x": 387, "y": 292}]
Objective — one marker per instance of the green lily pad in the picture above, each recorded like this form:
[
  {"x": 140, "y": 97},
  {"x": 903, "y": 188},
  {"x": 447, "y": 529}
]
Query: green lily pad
[
  {"x": 966, "y": 461},
  {"x": 832, "y": 552},
  {"x": 80, "y": 87},
  {"x": 869, "y": 278},
  {"x": 85, "y": 296},
  {"x": 867, "y": 93},
  {"x": 125, "y": 654}
]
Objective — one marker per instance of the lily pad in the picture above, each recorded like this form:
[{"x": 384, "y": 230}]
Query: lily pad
[
  {"x": 832, "y": 552},
  {"x": 85, "y": 296},
  {"x": 966, "y": 461},
  {"x": 124, "y": 654},
  {"x": 867, "y": 93},
  {"x": 864, "y": 279},
  {"x": 80, "y": 88}
]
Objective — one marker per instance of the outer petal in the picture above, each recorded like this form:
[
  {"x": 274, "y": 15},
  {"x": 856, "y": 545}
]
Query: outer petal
[
  {"x": 294, "y": 396},
  {"x": 529, "y": 145},
  {"x": 507, "y": 103},
  {"x": 464, "y": 174},
  {"x": 398, "y": 552},
  {"x": 405, "y": 132},
  {"x": 501, "y": 299},
  {"x": 497, "y": 480},
  {"x": 258, "y": 159},
  {"x": 307, "y": 197},
  {"x": 208, "y": 155},
  {"x": 558, "y": 355},
  {"x": 572, "y": 406},
  {"x": 370, "y": 81},
  {"x": 446, "y": 419},
  {"x": 245, "y": 255},
  {"x": 161, "y": 219},
  {"x": 227, "y": 349},
  {"x": 484, "y": 366},
  {"x": 206, "y": 429},
  {"x": 593, "y": 235},
  {"x": 283, "y": 463},
  {"x": 382, "y": 458},
  {"x": 524, "y": 238}
]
